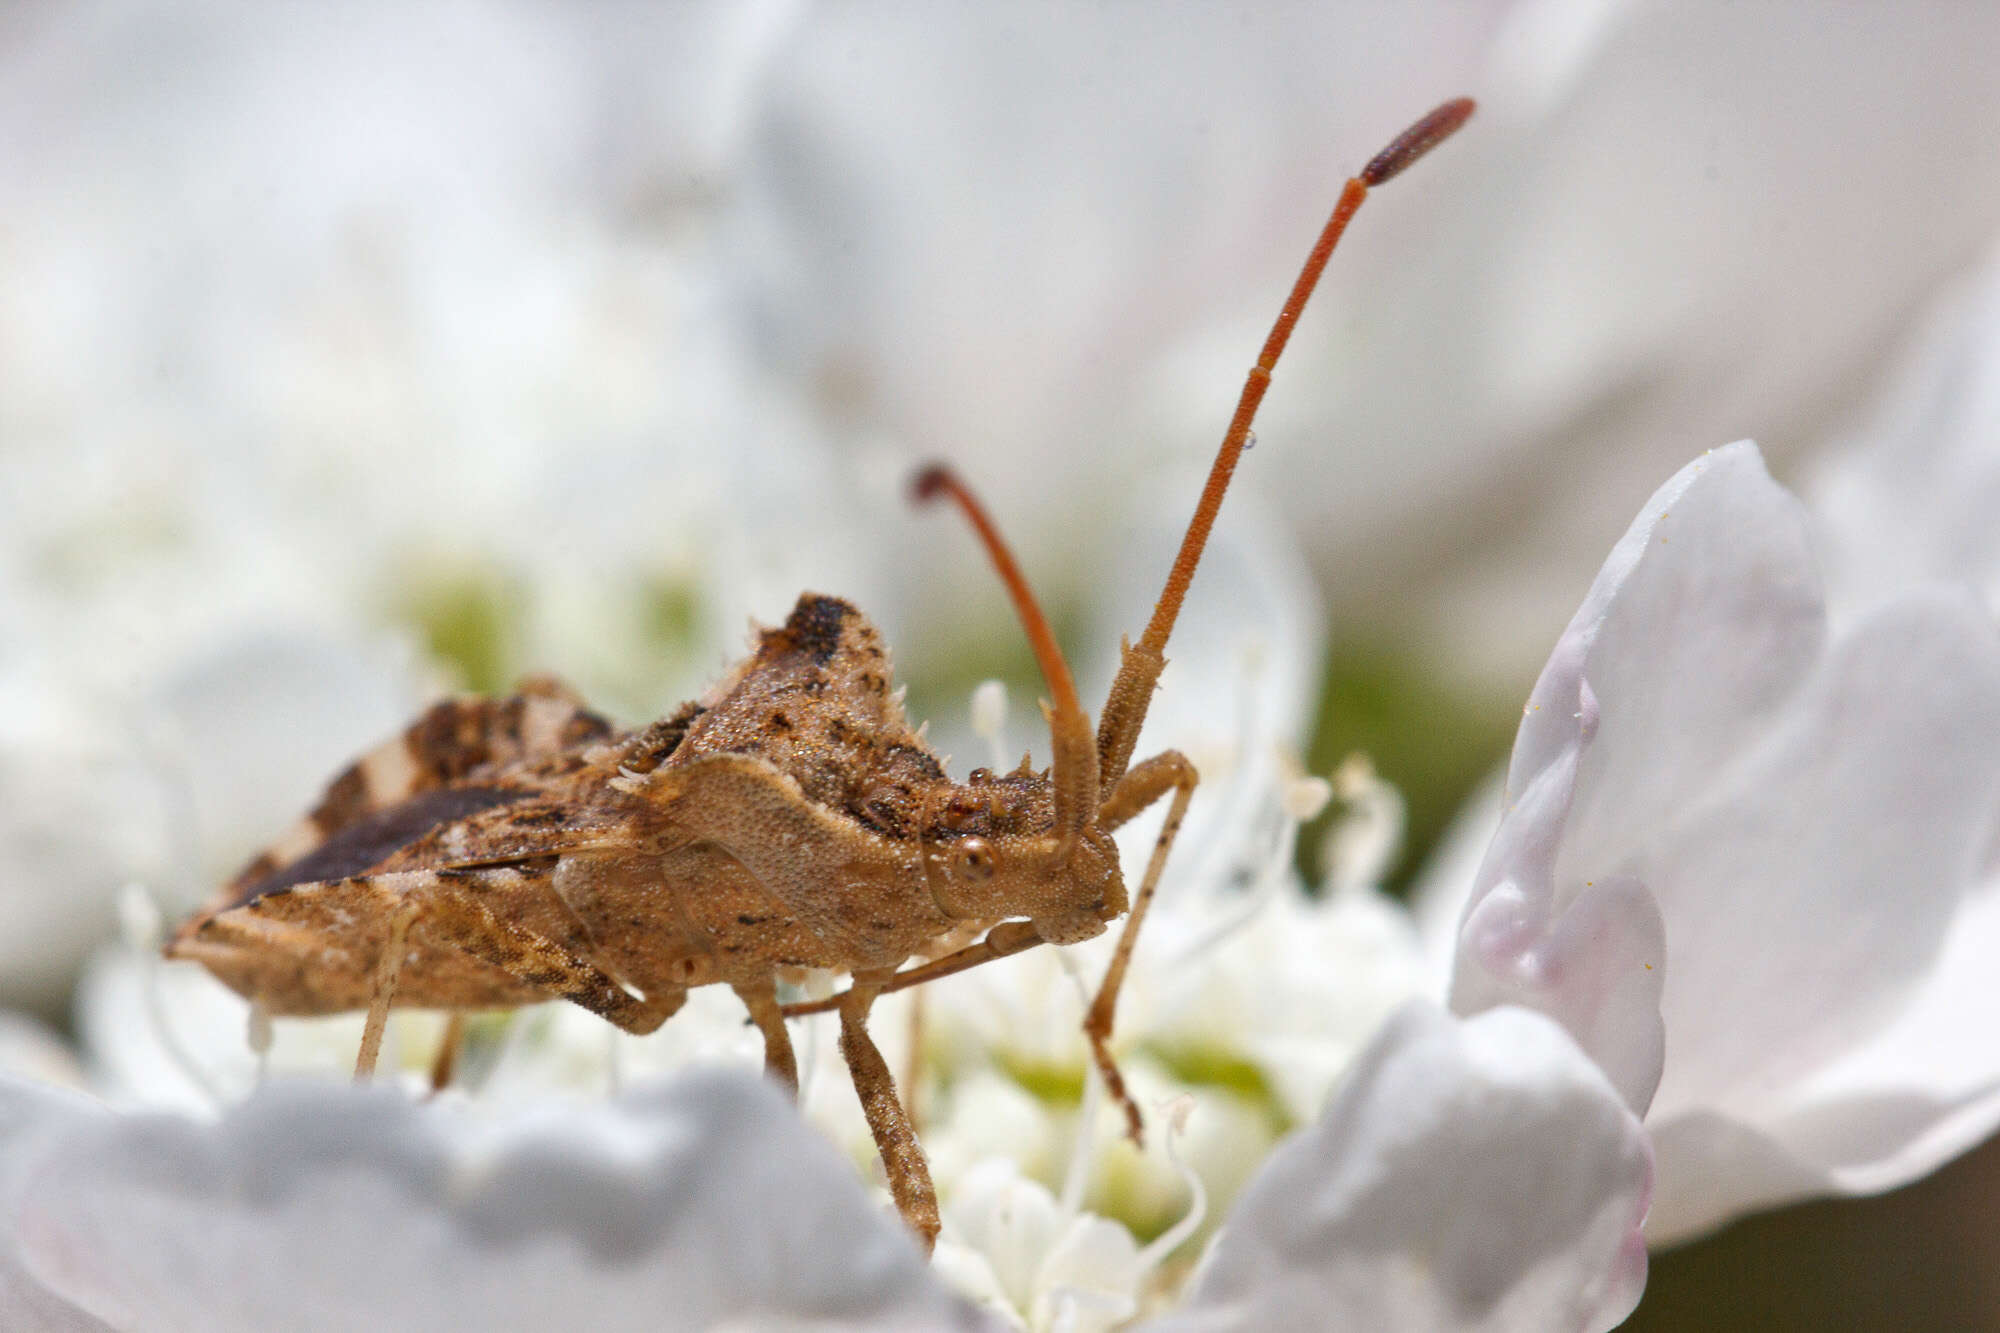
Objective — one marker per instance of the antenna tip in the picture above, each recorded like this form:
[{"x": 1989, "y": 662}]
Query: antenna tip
[
  {"x": 1417, "y": 140},
  {"x": 931, "y": 481}
]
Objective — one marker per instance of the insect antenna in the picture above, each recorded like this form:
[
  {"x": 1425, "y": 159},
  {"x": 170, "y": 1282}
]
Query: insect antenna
[
  {"x": 1132, "y": 691},
  {"x": 1074, "y": 753}
]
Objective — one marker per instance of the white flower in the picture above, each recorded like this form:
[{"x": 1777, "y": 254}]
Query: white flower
[
  {"x": 1904, "y": 494},
  {"x": 1761, "y": 839},
  {"x": 332, "y": 348},
  {"x": 1402, "y": 1207},
  {"x": 704, "y": 1203},
  {"x": 1054, "y": 269},
  {"x": 1036, "y": 1263}
]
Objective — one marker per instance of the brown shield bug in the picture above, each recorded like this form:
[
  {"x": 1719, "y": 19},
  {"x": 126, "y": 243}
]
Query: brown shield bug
[{"x": 503, "y": 852}]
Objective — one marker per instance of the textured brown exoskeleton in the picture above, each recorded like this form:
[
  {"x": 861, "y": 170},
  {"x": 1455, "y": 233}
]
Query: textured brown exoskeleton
[{"x": 502, "y": 852}]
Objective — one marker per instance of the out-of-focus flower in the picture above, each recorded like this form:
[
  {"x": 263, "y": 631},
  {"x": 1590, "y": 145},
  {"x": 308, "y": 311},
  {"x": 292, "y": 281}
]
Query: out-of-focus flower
[
  {"x": 351, "y": 356},
  {"x": 705, "y": 1202},
  {"x": 1039, "y": 1265},
  {"x": 1062, "y": 263},
  {"x": 1904, "y": 494},
  {"x": 1761, "y": 838},
  {"x": 1359, "y": 1239}
]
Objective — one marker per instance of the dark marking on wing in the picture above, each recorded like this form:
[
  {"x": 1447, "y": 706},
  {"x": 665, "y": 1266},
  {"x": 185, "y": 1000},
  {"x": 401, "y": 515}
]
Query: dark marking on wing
[
  {"x": 532, "y": 865},
  {"x": 347, "y": 799},
  {"x": 454, "y": 737},
  {"x": 367, "y": 841}
]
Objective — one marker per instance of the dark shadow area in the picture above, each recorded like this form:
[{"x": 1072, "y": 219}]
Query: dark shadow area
[{"x": 1925, "y": 1257}]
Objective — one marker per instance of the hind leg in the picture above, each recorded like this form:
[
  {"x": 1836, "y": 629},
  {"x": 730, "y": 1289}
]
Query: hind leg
[
  {"x": 382, "y": 989},
  {"x": 444, "y": 1065},
  {"x": 453, "y": 917}
]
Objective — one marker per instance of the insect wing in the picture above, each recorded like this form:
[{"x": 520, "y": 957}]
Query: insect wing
[
  {"x": 483, "y": 791},
  {"x": 823, "y": 871},
  {"x": 427, "y": 776}
]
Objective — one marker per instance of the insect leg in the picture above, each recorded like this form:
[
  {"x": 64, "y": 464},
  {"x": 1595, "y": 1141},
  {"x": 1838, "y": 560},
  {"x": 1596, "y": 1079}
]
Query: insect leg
[
  {"x": 913, "y": 1063},
  {"x": 1004, "y": 940},
  {"x": 1143, "y": 784},
  {"x": 445, "y": 1063},
  {"x": 388, "y": 967},
  {"x": 761, "y": 999},
  {"x": 902, "y": 1156},
  {"x": 456, "y": 917}
]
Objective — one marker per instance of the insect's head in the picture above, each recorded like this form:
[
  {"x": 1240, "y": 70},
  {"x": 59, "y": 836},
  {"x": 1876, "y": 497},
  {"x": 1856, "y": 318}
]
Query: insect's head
[{"x": 993, "y": 849}]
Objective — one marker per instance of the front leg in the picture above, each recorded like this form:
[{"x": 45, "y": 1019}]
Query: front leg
[
  {"x": 1143, "y": 784},
  {"x": 902, "y": 1156},
  {"x": 1003, "y": 941}
]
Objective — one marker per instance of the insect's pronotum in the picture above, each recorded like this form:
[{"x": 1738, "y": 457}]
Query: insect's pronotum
[{"x": 502, "y": 852}]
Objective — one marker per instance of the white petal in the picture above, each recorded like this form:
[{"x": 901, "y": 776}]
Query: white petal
[
  {"x": 1013, "y": 1222},
  {"x": 1891, "y": 1109},
  {"x": 1062, "y": 1270},
  {"x": 1802, "y": 820},
  {"x": 1475, "y": 1175},
  {"x": 1090, "y": 1279},
  {"x": 1908, "y": 494},
  {"x": 1704, "y": 620},
  {"x": 31, "y": 1114},
  {"x": 1586, "y": 954},
  {"x": 29, "y": 1049},
  {"x": 1811, "y": 889},
  {"x": 702, "y": 1201},
  {"x": 1699, "y": 630},
  {"x": 1645, "y": 279},
  {"x": 79, "y": 816}
]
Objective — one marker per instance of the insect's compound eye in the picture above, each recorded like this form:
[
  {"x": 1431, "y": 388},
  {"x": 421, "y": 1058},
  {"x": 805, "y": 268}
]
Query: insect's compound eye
[{"x": 972, "y": 858}]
